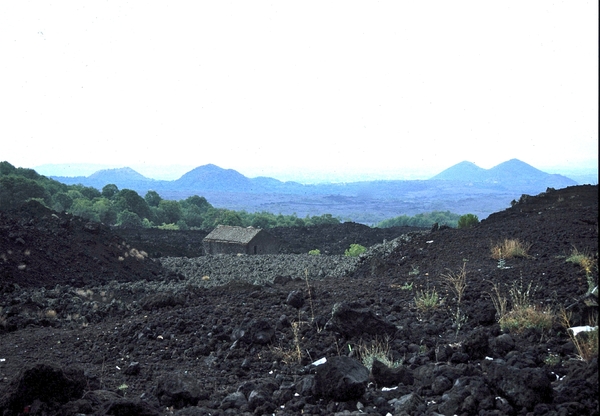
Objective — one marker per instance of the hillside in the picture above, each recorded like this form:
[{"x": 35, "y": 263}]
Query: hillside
[{"x": 301, "y": 334}]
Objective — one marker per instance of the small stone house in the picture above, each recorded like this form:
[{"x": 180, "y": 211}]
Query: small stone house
[{"x": 227, "y": 239}]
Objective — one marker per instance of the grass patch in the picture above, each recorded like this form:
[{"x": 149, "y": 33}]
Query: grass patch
[
  {"x": 510, "y": 248},
  {"x": 523, "y": 314},
  {"x": 588, "y": 264},
  {"x": 377, "y": 350},
  {"x": 427, "y": 299}
]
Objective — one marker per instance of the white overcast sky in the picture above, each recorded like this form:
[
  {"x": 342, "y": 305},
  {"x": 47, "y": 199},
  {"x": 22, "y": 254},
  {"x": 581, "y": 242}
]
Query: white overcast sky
[{"x": 295, "y": 89}]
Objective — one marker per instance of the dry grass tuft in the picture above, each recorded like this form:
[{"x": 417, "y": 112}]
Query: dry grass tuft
[
  {"x": 583, "y": 259},
  {"x": 290, "y": 355},
  {"x": 523, "y": 314},
  {"x": 586, "y": 342},
  {"x": 510, "y": 248},
  {"x": 456, "y": 282}
]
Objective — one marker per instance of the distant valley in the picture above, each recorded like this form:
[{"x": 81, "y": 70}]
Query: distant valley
[{"x": 462, "y": 188}]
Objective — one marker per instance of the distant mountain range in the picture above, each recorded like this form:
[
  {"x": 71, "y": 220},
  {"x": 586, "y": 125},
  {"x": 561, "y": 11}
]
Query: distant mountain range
[
  {"x": 213, "y": 178},
  {"x": 462, "y": 188},
  {"x": 509, "y": 172}
]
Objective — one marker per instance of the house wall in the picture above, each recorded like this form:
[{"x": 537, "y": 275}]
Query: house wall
[
  {"x": 213, "y": 247},
  {"x": 263, "y": 243}
]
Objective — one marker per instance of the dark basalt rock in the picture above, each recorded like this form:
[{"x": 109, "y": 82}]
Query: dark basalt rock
[
  {"x": 44, "y": 383},
  {"x": 341, "y": 379},
  {"x": 385, "y": 376},
  {"x": 179, "y": 390},
  {"x": 522, "y": 387},
  {"x": 350, "y": 320}
]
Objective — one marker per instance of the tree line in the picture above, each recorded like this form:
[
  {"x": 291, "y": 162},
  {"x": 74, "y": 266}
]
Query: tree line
[
  {"x": 426, "y": 219},
  {"x": 126, "y": 208}
]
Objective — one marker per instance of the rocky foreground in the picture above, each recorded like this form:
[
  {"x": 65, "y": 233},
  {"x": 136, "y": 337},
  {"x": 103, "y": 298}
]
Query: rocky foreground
[{"x": 90, "y": 323}]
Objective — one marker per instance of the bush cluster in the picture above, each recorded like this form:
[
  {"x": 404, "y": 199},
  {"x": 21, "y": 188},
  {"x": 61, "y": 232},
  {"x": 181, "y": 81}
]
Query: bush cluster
[{"x": 425, "y": 220}]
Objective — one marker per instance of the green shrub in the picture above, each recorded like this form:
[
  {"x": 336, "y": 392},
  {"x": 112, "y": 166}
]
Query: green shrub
[
  {"x": 355, "y": 250},
  {"x": 427, "y": 299},
  {"x": 468, "y": 221},
  {"x": 314, "y": 252},
  {"x": 380, "y": 351}
]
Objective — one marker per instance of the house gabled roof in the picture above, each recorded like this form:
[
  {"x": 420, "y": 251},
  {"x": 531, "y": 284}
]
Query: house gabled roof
[{"x": 231, "y": 234}]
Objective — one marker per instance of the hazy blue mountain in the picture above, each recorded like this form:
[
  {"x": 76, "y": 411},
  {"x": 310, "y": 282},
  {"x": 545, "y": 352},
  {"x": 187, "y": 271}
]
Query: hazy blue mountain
[
  {"x": 515, "y": 170},
  {"x": 513, "y": 173},
  {"x": 463, "y": 171},
  {"x": 119, "y": 175},
  {"x": 124, "y": 178},
  {"x": 212, "y": 177}
]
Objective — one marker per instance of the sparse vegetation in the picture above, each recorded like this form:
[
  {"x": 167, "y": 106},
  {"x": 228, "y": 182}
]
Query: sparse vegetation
[
  {"x": 456, "y": 282},
  {"x": 588, "y": 264},
  {"x": 291, "y": 355},
  {"x": 414, "y": 270},
  {"x": 427, "y": 299},
  {"x": 586, "y": 341},
  {"x": 377, "y": 350},
  {"x": 510, "y": 248},
  {"x": 523, "y": 313}
]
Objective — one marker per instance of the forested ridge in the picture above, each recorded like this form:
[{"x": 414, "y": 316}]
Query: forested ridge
[{"x": 126, "y": 208}]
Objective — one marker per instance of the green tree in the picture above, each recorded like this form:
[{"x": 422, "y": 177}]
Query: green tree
[
  {"x": 198, "y": 201},
  {"x": 152, "y": 198},
  {"x": 229, "y": 217},
  {"x": 105, "y": 210},
  {"x": 425, "y": 220},
  {"x": 322, "y": 219},
  {"x": 7, "y": 169},
  {"x": 129, "y": 200},
  {"x": 171, "y": 211},
  {"x": 129, "y": 219},
  {"x": 110, "y": 190},
  {"x": 192, "y": 215},
  {"x": 468, "y": 221},
  {"x": 83, "y": 207},
  {"x": 15, "y": 190},
  {"x": 263, "y": 220},
  {"x": 74, "y": 194},
  {"x": 61, "y": 201},
  {"x": 88, "y": 191}
]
